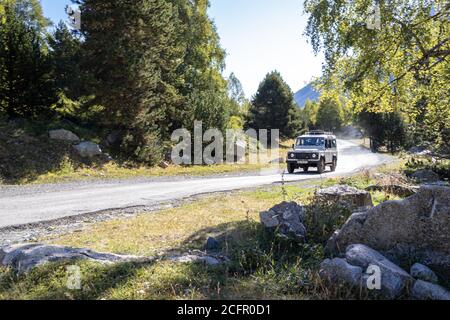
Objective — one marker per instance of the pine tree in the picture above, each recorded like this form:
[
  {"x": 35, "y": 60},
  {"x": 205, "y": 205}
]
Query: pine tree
[
  {"x": 273, "y": 107},
  {"x": 66, "y": 56},
  {"x": 131, "y": 50},
  {"x": 157, "y": 65},
  {"x": 25, "y": 89}
]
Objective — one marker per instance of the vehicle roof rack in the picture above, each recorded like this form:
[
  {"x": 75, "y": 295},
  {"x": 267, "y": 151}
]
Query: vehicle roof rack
[{"x": 318, "y": 133}]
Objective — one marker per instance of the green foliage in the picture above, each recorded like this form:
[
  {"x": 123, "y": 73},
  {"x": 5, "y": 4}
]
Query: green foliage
[
  {"x": 384, "y": 129},
  {"x": 329, "y": 115},
  {"x": 157, "y": 67},
  {"x": 309, "y": 114},
  {"x": 439, "y": 166},
  {"x": 401, "y": 66},
  {"x": 26, "y": 88},
  {"x": 141, "y": 68},
  {"x": 237, "y": 95},
  {"x": 66, "y": 56},
  {"x": 211, "y": 107},
  {"x": 323, "y": 219},
  {"x": 273, "y": 107},
  {"x": 236, "y": 123}
]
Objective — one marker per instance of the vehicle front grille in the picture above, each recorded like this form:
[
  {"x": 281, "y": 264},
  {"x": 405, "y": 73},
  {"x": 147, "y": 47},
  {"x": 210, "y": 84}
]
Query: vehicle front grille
[{"x": 303, "y": 156}]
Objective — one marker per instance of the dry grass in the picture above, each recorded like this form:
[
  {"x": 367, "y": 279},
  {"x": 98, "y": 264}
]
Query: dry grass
[
  {"x": 67, "y": 172},
  {"x": 262, "y": 266},
  {"x": 183, "y": 227}
]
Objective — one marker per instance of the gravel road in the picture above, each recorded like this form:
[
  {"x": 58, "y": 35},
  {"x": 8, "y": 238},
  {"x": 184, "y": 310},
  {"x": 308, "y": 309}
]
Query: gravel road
[{"x": 22, "y": 205}]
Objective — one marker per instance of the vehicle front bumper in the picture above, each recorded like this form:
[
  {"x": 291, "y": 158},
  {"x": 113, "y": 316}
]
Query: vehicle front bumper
[{"x": 304, "y": 161}]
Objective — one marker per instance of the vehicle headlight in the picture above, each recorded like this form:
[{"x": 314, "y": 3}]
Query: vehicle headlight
[
  {"x": 292, "y": 155},
  {"x": 314, "y": 156}
]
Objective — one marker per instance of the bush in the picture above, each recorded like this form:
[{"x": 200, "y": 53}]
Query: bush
[
  {"x": 440, "y": 167},
  {"x": 144, "y": 147},
  {"x": 323, "y": 219}
]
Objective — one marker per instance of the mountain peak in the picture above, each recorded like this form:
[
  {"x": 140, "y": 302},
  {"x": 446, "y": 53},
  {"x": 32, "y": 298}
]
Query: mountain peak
[{"x": 308, "y": 92}]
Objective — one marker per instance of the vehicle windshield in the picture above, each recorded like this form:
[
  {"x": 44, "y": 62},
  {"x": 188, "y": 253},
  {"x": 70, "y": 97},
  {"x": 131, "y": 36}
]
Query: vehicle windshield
[{"x": 316, "y": 142}]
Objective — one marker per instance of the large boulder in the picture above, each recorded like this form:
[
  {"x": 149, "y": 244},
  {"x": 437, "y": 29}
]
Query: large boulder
[
  {"x": 394, "y": 280},
  {"x": 339, "y": 271},
  {"x": 421, "y": 272},
  {"x": 88, "y": 149},
  {"x": 425, "y": 176},
  {"x": 344, "y": 195},
  {"x": 423, "y": 290},
  {"x": 23, "y": 258},
  {"x": 356, "y": 271},
  {"x": 63, "y": 135},
  {"x": 421, "y": 222},
  {"x": 286, "y": 219}
]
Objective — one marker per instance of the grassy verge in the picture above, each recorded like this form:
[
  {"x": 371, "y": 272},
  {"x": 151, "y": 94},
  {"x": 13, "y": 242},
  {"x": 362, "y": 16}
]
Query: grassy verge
[
  {"x": 29, "y": 157},
  {"x": 261, "y": 267},
  {"x": 68, "y": 173}
]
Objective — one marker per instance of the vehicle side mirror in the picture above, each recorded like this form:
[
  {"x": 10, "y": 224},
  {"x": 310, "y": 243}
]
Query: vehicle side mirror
[{"x": 293, "y": 146}]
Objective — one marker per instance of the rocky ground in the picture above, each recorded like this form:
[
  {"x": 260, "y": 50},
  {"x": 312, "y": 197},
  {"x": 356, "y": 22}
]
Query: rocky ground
[{"x": 413, "y": 233}]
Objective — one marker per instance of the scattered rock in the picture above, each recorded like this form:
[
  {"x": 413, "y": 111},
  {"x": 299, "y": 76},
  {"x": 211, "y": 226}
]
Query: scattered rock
[
  {"x": 23, "y": 258},
  {"x": 421, "y": 221},
  {"x": 421, "y": 272},
  {"x": 212, "y": 244},
  {"x": 425, "y": 176},
  {"x": 428, "y": 291},
  {"x": 63, "y": 135},
  {"x": 420, "y": 151},
  {"x": 198, "y": 258},
  {"x": 394, "y": 280},
  {"x": 340, "y": 271},
  {"x": 286, "y": 219},
  {"x": 88, "y": 149},
  {"x": 346, "y": 196}
]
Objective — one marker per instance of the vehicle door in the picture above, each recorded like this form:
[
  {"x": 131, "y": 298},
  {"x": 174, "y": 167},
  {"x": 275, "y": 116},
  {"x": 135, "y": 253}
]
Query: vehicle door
[
  {"x": 328, "y": 151},
  {"x": 334, "y": 150}
]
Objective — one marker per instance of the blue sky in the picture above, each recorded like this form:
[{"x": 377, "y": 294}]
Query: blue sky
[{"x": 258, "y": 35}]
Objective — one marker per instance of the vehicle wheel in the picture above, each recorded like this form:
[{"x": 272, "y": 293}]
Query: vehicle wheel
[
  {"x": 291, "y": 168},
  {"x": 305, "y": 169},
  {"x": 334, "y": 165},
  {"x": 321, "y": 166}
]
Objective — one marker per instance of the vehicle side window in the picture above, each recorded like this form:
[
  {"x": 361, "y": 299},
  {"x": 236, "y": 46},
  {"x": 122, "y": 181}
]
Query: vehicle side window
[
  {"x": 334, "y": 144},
  {"x": 327, "y": 144}
]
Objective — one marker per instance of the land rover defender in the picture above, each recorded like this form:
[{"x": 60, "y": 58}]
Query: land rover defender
[{"x": 315, "y": 149}]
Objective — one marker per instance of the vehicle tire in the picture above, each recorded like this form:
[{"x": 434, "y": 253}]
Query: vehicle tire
[
  {"x": 334, "y": 165},
  {"x": 291, "y": 168},
  {"x": 321, "y": 166},
  {"x": 305, "y": 169}
]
